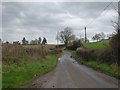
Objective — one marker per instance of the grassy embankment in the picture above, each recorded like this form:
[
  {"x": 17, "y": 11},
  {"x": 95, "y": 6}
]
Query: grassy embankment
[
  {"x": 97, "y": 45},
  {"x": 22, "y": 64},
  {"x": 111, "y": 69},
  {"x": 0, "y": 67}
]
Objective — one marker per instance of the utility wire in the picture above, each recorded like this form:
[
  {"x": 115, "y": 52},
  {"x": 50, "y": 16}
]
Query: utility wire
[
  {"x": 96, "y": 17},
  {"x": 115, "y": 7},
  {"x": 99, "y": 14}
]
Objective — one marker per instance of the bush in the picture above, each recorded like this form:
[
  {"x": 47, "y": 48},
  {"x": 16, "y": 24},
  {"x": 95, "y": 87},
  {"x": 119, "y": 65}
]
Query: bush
[
  {"x": 86, "y": 54},
  {"x": 75, "y": 45},
  {"x": 115, "y": 45},
  {"x": 55, "y": 50},
  {"x": 108, "y": 56}
]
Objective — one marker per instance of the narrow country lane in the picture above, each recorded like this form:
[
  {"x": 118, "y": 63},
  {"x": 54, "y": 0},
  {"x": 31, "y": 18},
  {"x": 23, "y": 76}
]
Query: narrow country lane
[{"x": 69, "y": 74}]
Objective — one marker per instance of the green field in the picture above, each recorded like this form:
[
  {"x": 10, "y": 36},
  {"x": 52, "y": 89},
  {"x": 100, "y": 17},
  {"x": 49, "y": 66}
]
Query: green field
[
  {"x": 0, "y": 75},
  {"x": 0, "y": 67},
  {"x": 22, "y": 64},
  {"x": 16, "y": 75},
  {"x": 97, "y": 45}
]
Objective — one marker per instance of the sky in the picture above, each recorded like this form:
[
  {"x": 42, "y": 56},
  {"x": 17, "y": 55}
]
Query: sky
[{"x": 44, "y": 19}]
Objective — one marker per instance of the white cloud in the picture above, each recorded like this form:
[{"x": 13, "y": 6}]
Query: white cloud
[
  {"x": 33, "y": 20},
  {"x": 60, "y": 0}
]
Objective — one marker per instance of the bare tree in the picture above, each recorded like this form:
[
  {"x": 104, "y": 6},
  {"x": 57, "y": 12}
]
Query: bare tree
[
  {"x": 44, "y": 41},
  {"x": 24, "y": 41},
  {"x": 98, "y": 36},
  {"x": 116, "y": 24},
  {"x": 102, "y": 35},
  {"x": 39, "y": 40},
  {"x": 66, "y": 36}
]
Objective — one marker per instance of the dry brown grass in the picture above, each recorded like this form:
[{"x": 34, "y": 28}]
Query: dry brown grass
[
  {"x": 46, "y": 47},
  {"x": 14, "y": 53},
  {"x": 22, "y": 63}
]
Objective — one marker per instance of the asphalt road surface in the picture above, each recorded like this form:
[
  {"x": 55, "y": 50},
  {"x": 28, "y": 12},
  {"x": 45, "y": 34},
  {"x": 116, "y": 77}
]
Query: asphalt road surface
[{"x": 69, "y": 74}]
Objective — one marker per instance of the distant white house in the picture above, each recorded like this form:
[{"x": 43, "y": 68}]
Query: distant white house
[
  {"x": 16, "y": 43},
  {"x": 105, "y": 40}
]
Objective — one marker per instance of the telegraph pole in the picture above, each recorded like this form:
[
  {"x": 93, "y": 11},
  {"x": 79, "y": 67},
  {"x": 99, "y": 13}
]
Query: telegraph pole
[
  {"x": 57, "y": 38},
  {"x": 85, "y": 35},
  {"x": 80, "y": 36}
]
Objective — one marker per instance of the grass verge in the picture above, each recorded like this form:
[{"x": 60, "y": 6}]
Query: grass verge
[
  {"x": 0, "y": 82},
  {"x": 97, "y": 45},
  {"x": 16, "y": 75},
  {"x": 111, "y": 70}
]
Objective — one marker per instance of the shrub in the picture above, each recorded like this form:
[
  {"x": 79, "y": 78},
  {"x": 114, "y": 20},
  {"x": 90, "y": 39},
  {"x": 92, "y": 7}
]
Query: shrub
[
  {"x": 115, "y": 45},
  {"x": 86, "y": 54},
  {"x": 115, "y": 42},
  {"x": 75, "y": 45},
  {"x": 108, "y": 56}
]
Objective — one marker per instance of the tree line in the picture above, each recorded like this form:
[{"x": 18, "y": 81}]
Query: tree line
[
  {"x": 68, "y": 38},
  {"x": 26, "y": 42},
  {"x": 35, "y": 42}
]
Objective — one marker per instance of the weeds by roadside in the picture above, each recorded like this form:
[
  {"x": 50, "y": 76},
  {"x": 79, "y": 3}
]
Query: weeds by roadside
[
  {"x": 111, "y": 70},
  {"x": 22, "y": 64},
  {"x": 16, "y": 75}
]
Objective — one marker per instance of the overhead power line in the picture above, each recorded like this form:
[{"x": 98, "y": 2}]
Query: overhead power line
[
  {"x": 115, "y": 8},
  {"x": 105, "y": 8},
  {"x": 95, "y": 19},
  {"x": 99, "y": 14}
]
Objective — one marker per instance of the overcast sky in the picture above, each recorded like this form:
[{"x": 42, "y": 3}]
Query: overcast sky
[{"x": 44, "y": 19}]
